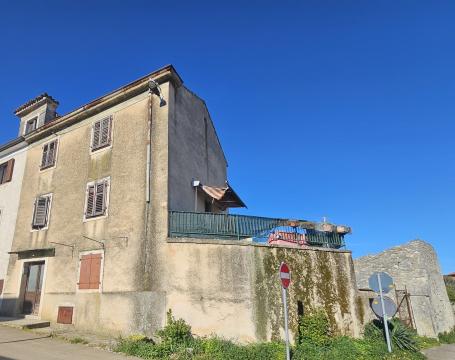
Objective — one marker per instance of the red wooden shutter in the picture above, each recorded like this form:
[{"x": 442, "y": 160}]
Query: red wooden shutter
[
  {"x": 90, "y": 201},
  {"x": 9, "y": 170},
  {"x": 95, "y": 271},
  {"x": 96, "y": 135},
  {"x": 84, "y": 272}
]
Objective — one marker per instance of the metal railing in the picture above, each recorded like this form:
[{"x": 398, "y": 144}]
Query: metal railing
[{"x": 237, "y": 227}]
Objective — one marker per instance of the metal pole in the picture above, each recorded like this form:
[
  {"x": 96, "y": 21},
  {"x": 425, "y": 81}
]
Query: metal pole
[
  {"x": 386, "y": 325},
  {"x": 283, "y": 291}
]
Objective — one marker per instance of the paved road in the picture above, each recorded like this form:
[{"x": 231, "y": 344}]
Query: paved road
[
  {"x": 17, "y": 344},
  {"x": 443, "y": 352}
]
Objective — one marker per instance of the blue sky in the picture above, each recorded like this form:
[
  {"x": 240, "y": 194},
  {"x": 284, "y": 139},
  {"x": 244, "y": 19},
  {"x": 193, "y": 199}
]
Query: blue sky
[{"x": 343, "y": 109}]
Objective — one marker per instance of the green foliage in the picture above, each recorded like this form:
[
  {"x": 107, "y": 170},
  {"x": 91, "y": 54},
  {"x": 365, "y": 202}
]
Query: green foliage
[
  {"x": 424, "y": 342},
  {"x": 447, "y": 337},
  {"x": 402, "y": 337},
  {"x": 176, "y": 332},
  {"x": 314, "y": 329},
  {"x": 78, "y": 340},
  {"x": 450, "y": 286}
]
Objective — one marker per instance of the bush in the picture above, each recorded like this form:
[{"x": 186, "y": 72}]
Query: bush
[
  {"x": 176, "y": 332},
  {"x": 447, "y": 337},
  {"x": 424, "y": 342},
  {"x": 401, "y": 336},
  {"x": 314, "y": 329}
]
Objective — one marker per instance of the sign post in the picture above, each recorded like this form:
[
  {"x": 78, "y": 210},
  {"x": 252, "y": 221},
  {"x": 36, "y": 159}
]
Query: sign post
[
  {"x": 285, "y": 277},
  {"x": 382, "y": 283}
]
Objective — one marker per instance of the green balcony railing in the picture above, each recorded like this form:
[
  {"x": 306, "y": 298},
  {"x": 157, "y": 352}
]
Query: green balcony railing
[{"x": 237, "y": 227}]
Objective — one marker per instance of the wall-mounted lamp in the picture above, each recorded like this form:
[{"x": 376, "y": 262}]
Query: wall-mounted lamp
[{"x": 155, "y": 88}]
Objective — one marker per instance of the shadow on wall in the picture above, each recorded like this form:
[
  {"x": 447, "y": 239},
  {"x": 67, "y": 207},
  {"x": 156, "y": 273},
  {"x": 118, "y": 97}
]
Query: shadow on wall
[{"x": 9, "y": 308}]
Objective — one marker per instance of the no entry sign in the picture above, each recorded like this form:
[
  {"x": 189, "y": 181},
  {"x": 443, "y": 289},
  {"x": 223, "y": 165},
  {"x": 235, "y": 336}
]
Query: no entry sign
[{"x": 285, "y": 275}]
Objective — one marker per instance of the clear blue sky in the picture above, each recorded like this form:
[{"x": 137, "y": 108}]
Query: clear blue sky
[{"x": 342, "y": 109}]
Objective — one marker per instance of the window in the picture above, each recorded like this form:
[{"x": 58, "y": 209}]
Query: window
[
  {"x": 41, "y": 212},
  {"x": 65, "y": 315},
  {"x": 6, "y": 171},
  {"x": 90, "y": 271},
  {"x": 96, "y": 204},
  {"x": 101, "y": 136},
  {"x": 49, "y": 155},
  {"x": 30, "y": 125}
]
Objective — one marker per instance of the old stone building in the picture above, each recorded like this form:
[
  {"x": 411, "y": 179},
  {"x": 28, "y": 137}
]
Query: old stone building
[
  {"x": 419, "y": 286},
  {"x": 123, "y": 214}
]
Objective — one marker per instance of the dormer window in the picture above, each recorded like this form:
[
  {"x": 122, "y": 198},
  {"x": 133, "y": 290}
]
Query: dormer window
[{"x": 30, "y": 125}]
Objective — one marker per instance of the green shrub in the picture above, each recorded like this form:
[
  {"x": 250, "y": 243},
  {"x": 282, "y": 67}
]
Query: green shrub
[
  {"x": 78, "y": 340},
  {"x": 176, "y": 332},
  {"x": 402, "y": 337},
  {"x": 424, "y": 342},
  {"x": 447, "y": 337},
  {"x": 450, "y": 286},
  {"x": 314, "y": 329}
]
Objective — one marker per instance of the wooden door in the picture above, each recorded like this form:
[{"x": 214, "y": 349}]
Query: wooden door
[{"x": 33, "y": 285}]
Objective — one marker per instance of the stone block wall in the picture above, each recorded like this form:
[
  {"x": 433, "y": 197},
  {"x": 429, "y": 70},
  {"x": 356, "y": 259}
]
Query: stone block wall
[{"x": 415, "y": 267}]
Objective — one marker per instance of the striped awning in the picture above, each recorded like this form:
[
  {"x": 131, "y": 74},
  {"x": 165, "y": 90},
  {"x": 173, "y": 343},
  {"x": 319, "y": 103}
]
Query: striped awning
[{"x": 224, "y": 197}]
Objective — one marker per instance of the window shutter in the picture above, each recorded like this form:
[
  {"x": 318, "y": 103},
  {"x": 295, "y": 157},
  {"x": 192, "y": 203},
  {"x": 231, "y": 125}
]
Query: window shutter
[
  {"x": 90, "y": 201},
  {"x": 100, "y": 198},
  {"x": 9, "y": 170},
  {"x": 40, "y": 216},
  {"x": 95, "y": 271},
  {"x": 84, "y": 272},
  {"x": 96, "y": 135},
  {"x": 51, "y": 153},
  {"x": 44, "y": 157},
  {"x": 105, "y": 131}
]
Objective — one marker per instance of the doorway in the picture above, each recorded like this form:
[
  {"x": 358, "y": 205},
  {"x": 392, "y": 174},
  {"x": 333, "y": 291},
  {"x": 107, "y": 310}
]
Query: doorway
[{"x": 34, "y": 272}]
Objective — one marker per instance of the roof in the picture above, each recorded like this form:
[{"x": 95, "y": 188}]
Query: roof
[
  {"x": 451, "y": 274},
  {"x": 40, "y": 99},
  {"x": 225, "y": 197}
]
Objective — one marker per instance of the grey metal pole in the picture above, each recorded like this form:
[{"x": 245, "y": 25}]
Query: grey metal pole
[
  {"x": 386, "y": 325},
  {"x": 285, "y": 303}
]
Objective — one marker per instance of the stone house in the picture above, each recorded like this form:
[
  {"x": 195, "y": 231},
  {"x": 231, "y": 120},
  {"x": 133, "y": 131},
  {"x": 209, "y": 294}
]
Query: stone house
[{"x": 123, "y": 214}]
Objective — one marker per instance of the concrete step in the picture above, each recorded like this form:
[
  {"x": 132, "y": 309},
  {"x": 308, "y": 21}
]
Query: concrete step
[
  {"x": 36, "y": 325},
  {"x": 24, "y": 323}
]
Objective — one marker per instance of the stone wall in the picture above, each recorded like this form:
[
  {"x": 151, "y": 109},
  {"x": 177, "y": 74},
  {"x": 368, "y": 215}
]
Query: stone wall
[{"x": 415, "y": 267}]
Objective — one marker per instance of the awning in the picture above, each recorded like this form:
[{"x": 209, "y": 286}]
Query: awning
[{"x": 223, "y": 197}]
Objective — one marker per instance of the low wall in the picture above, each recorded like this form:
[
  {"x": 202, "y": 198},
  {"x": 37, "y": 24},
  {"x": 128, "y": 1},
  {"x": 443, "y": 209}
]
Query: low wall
[
  {"x": 234, "y": 290},
  {"x": 414, "y": 266}
]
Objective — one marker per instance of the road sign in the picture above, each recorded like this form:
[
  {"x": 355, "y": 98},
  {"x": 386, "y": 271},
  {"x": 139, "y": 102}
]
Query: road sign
[
  {"x": 389, "y": 306},
  {"x": 386, "y": 282},
  {"x": 285, "y": 275}
]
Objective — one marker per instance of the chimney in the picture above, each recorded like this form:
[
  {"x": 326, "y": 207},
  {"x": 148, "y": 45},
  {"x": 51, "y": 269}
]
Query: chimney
[{"x": 36, "y": 113}]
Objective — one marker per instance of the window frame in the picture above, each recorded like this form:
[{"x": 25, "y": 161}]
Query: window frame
[
  {"x": 48, "y": 214},
  {"x": 54, "y": 164},
  {"x": 100, "y": 287},
  {"x": 3, "y": 175},
  {"x": 33, "y": 119},
  {"x": 101, "y": 146},
  {"x": 107, "y": 181}
]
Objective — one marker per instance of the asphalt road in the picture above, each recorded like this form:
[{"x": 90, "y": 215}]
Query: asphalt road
[
  {"x": 17, "y": 344},
  {"x": 443, "y": 352}
]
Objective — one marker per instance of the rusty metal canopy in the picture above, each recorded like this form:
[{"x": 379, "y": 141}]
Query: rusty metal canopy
[{"x": 224, "y": 197}]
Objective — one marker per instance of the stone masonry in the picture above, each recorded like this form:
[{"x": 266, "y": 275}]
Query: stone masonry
[{"x": 413, "y": 266}]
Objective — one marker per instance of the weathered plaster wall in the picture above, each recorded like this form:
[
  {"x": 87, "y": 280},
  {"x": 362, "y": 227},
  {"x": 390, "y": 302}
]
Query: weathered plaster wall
[
  {"x": 415, "y": 266},
  {"x": 123, "y": 230},
  {"x": 234, "y": 290},
  {"x": 9, "y": 204},
  {"x": 194, "y": 151}
]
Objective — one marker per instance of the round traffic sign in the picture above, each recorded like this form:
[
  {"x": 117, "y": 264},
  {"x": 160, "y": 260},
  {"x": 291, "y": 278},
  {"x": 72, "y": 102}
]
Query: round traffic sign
[
  {"x": 386, "y": 282},
  {"x": 389, "y": 305},
  {"x": 285, "y": 275}
]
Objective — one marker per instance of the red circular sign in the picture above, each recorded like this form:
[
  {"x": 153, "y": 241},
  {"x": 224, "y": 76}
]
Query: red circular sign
[{"x": 285, "y": 275}]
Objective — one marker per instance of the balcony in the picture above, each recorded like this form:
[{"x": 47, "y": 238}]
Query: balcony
[{"x": 298, "y": 233}]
